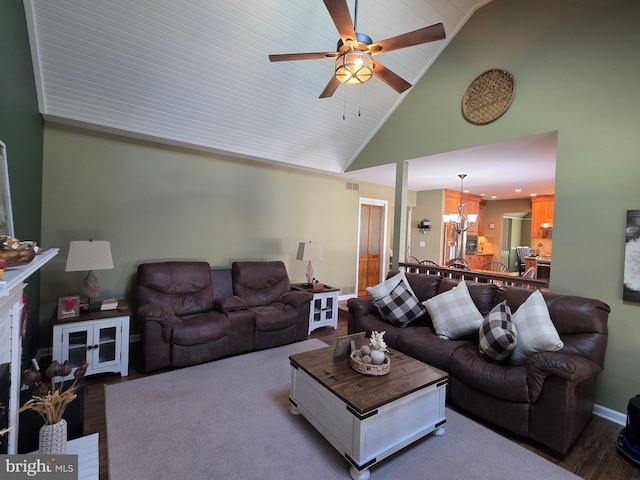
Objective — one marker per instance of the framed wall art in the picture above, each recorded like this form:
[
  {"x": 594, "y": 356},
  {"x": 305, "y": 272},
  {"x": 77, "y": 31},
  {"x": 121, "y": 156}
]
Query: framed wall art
[
  {"x": 68, "y": 307},
  {"x": 6, "y": 216},
  {"x": 631, "y": 289}
]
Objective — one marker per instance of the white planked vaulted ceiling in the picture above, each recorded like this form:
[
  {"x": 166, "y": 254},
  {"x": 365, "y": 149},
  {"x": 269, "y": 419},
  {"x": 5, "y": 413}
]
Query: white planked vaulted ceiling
[{"x": 197, "y": 73}]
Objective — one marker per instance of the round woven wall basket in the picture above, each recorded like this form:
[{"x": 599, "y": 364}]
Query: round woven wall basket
[{"x": 488, "y": 97}]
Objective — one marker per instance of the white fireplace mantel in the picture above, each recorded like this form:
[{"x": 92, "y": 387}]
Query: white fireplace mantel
[{"x": 11, "y": 332}]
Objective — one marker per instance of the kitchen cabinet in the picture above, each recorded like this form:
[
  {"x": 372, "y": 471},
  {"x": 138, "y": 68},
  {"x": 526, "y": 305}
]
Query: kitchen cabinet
[
  {"x": 477, "y": 260},
  {"x": 541, "y": 212},
  {"x": 472, "y": 206}
]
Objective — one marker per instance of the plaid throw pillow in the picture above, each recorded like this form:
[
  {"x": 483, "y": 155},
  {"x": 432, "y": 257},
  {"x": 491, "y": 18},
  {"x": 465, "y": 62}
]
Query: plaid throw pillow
[
  {"x": 498, "y": 336},
  {"x": 453, "y": 313},
  {"x": 536, "y": 331},
  {"x": 400, "y": 307},
  {"x": 385, "y": 288}
]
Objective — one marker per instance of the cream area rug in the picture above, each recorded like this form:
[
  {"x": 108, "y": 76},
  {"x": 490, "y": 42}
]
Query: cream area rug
[{"x": 230, "y": 419}]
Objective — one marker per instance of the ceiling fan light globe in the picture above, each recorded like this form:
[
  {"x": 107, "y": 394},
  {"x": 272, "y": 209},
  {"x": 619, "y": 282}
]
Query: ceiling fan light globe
[{"x": 354, "y": 67}]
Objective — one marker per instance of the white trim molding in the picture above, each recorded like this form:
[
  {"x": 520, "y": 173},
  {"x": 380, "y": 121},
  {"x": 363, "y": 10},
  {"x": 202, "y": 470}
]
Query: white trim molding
[{"x": 609, "y": 414}]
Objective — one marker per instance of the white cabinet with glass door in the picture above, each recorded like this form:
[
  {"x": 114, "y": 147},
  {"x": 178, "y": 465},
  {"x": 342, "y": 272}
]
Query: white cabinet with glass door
[{"x": 100, "y": 338}]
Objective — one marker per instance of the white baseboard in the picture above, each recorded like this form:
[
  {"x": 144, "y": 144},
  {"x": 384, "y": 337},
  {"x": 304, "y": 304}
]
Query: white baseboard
[
  {"x": 609, "y": 414},
  {"x": 343, "y": 298}
]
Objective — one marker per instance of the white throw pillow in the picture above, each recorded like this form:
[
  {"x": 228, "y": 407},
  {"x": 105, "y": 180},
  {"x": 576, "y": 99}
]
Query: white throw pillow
[
  {"x": 453, "y": 313},
  {"x": 536, "y": 331},
  {"x": 385, "y": 288}
]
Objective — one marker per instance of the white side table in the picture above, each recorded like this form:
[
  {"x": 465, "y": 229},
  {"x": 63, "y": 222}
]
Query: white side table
[
  {"x": 324, "y": 306},
  {"x": 99, "y": 338}
]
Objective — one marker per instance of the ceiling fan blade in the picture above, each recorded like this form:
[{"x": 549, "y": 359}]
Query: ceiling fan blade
[
  {"x": 395, "y": 81},
  {"x": 331, "y": 87},
  {"x": 285, "y": 57},
  {"x": 339, "y": 11},
  {"x": 422, "y": 35}
]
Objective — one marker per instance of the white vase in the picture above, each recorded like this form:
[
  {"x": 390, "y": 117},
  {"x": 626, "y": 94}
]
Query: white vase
[
  {"x": 377, "y": 357},
  {"x": 53, "y": 439}
]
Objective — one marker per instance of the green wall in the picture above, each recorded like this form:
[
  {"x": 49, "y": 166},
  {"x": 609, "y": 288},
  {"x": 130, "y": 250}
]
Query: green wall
[
  {"x": 21, "y": 130},
  {"x": 429, "y": 205},
  {"x": 155, "y": 202},
  {"x": 576, "y": 68}
]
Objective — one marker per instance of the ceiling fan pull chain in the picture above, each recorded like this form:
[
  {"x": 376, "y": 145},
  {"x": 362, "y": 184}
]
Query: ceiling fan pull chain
[
  {"x": 360, "y": 103},
  {"x": 344, "y": 105}
]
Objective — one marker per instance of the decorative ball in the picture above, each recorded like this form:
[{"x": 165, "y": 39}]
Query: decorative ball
[
  {"x": 365, "y": 349},
  {"x": 366, "y": 359},
  {"x": 377, "y": 357}
]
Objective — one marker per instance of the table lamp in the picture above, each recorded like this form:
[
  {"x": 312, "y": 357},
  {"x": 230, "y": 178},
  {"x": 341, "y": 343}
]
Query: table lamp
[
  {"x": 309, "y": 251},
  {"x": 89, "y": 255}
]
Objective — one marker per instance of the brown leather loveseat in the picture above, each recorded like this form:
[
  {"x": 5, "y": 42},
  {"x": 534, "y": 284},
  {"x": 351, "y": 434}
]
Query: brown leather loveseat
[
  {"x": 548, "y": 399},
  {"x": 192, "y": 314}
]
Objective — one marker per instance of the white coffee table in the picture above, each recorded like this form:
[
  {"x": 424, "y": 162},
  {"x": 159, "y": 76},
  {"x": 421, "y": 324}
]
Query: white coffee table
[{"x": 367, "y": 418}]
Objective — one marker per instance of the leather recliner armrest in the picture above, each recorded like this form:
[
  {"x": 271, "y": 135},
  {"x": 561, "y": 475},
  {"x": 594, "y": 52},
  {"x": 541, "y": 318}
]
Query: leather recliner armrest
[
  {"x": 231, "y": 303},
  {"x": 154, "y": 313},
  {"x": 571, "y": 368},
  {"x": 296, "y": 298},
  {"x": 361, "y": 306}
]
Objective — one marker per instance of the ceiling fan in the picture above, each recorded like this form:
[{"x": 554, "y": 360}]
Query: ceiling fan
[{"x": 354, "y": 62}]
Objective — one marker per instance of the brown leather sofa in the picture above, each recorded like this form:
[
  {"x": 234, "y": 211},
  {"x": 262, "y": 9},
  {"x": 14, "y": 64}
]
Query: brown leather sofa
[
  {"x": 548, "y": 400},
  {"x": 192, "y": 314}
]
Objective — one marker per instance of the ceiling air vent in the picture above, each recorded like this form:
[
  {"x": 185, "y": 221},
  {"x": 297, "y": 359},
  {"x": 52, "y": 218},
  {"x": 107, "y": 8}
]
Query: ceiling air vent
[{"x": 353, "y": 186}]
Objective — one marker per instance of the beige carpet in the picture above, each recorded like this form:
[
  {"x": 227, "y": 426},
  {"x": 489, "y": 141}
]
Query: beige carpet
[{"x": 229, "y": 419}]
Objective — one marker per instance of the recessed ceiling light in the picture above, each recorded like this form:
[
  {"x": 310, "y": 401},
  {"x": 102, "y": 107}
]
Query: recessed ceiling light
[
  {"x": 493, "y": 197},
  {"x": 533, "y": 194},
  {"x": 482, "y": 194},
  {"x": 466, "y": 190},
  {"x": 518, "y": 190}
]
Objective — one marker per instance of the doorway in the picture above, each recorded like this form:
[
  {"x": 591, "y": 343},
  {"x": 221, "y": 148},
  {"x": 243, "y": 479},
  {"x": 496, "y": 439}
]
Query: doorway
[
  {"x": 371, "y": 243},
  {"x": 516, "y": 231}
]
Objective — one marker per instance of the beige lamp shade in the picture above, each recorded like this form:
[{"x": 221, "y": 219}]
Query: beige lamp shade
[
  {"x": 309, "y": 251},
  {"x": 89, "y": 255}
]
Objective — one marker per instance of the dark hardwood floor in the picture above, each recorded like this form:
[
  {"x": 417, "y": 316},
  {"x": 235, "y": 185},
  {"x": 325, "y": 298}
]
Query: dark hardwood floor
[{"x": 593, "y": 457}]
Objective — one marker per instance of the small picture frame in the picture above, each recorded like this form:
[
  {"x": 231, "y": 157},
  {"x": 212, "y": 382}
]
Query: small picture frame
[
  {"x": 68, "y": 307},
  {"x": 343, "y": 344}
]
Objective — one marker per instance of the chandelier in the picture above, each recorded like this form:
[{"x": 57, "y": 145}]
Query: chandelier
[{"x": 461, "y": 221}]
